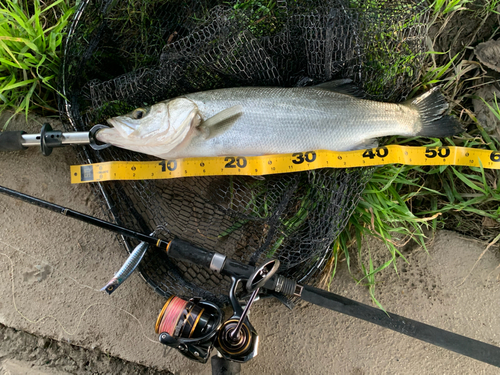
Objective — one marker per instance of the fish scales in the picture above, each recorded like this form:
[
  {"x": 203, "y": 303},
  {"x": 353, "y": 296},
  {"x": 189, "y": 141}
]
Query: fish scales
[
  {"x": 286, "y": 120},
  {"x": 252, "y": 121}
]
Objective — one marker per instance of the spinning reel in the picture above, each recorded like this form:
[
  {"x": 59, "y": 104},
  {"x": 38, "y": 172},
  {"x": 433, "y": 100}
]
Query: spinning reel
[{"x": 195, "y": 327}]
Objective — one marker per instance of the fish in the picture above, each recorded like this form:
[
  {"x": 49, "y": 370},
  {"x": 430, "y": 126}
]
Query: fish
[
  {"x": 128, "y": 267},
  {"x": 254, "y": 121}
]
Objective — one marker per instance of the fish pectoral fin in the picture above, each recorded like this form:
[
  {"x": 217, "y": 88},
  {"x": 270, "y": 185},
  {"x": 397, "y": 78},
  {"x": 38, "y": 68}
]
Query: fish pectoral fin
[
  {"x": 342, "y": 86},
  {"x": 221, "y": 122}
]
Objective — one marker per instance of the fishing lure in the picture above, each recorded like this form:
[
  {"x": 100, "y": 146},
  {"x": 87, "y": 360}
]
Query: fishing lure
[{"x": 128, "y": 267}]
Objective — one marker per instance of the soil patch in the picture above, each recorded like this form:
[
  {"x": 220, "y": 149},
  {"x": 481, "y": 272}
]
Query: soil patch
[{"x": 24, "y": 352}]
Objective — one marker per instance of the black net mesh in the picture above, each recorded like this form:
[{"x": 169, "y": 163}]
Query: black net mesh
[{"x": 125, "y": 54}]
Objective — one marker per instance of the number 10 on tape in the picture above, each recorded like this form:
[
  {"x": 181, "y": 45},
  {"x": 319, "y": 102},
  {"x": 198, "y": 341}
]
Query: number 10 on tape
[{"x": 284, "y": 163}]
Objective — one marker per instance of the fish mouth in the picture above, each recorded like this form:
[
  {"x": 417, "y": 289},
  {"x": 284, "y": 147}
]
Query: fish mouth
[
  {"x": 117, "y": 124},
  {"x": 121, "y": 126}
]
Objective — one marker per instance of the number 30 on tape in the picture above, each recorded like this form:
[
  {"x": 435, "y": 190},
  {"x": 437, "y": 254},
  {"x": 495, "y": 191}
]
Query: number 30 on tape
[{"x": 284, "y": 163}]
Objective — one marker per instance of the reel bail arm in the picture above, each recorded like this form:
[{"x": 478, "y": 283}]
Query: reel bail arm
[
  {"x": 255, "y": 282},
  {"x": 235, "y": 339}
]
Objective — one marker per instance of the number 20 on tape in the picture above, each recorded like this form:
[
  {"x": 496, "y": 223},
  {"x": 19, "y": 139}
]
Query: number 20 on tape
[{"x": 283, "y": 163}]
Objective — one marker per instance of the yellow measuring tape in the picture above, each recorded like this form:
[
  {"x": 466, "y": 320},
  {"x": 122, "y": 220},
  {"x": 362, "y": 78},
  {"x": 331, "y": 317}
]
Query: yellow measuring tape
[{"x": 272, "y": 164}]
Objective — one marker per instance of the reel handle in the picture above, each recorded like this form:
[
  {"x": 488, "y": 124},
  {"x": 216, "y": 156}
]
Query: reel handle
[{"x": 254, "y": 283}]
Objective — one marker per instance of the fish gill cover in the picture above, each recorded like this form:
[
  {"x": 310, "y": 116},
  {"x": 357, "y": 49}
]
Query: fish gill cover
[{"x": 125, "y": 54}]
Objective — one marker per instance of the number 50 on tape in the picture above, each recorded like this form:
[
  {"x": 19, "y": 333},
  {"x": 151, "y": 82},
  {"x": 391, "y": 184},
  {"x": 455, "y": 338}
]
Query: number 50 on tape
[{"x": 284, "y": 163}]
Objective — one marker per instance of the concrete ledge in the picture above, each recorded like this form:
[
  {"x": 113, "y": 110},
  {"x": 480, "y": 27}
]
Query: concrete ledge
[{"x": 52, "y": 267}]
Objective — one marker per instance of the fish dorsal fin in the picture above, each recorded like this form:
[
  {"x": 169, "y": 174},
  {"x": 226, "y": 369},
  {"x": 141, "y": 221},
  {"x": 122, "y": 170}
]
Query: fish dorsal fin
[
  {"x": 342, "y": 86},
  {"x": 221, "y": 122}
]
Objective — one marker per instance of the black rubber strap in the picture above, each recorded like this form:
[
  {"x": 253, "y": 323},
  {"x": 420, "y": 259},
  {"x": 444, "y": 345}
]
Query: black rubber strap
[
  {"x": 11, "y": 141},
  {"x": 459, "y": 344}
]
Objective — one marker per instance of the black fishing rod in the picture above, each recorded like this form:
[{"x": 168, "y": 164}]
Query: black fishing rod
[
  {"x": 236, "y": 339},
  {"x": 85, "y": 218}
]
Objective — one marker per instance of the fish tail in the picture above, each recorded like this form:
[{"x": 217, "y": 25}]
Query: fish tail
[{"x": 432, "y": 107}]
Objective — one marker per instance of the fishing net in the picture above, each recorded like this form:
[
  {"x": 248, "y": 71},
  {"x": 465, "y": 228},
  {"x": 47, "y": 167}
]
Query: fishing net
[{"x": 120, "y": 55}]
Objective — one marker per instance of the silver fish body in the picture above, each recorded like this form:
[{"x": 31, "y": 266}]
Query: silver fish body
[
  {"x": 271, "y": 120},
  {"x": 286, "y": 120}
]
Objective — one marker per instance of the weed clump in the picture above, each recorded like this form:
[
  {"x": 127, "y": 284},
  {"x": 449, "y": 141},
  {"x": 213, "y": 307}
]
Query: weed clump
[
  {"x": 400, "y": 203},
  {"x": 31, "y": 35}
]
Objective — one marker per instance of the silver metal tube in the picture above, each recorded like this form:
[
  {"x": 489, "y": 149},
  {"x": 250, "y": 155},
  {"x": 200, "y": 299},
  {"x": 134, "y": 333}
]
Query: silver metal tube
[{"x": 72, "y": 138}]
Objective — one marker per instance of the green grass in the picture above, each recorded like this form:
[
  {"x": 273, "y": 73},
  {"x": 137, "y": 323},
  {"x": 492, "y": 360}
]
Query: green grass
[
  {"x": 30, "y": 51},
  {"x": 260, "y": 206},
  {"x": 493, "y": 107},
  {"x": 263, "y": 17},
  {"x": 443, "y": 7},
  {"x": 490, "y": 7},
  {"x": 384, "y": 213},
  {"x": 399, "y": 203},
  {"x": 258, "y": 9}
]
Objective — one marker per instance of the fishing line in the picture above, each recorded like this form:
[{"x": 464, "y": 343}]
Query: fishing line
[
  {"x": 39, "y": 320},
  {"x": 169, "y": 315},
  {"x": 183, "y": 319},
  {"x": 495, "y": 240}
]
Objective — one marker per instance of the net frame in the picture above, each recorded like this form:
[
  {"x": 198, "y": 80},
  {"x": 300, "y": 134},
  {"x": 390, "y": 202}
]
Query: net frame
[{"x": 122, "y": 55}]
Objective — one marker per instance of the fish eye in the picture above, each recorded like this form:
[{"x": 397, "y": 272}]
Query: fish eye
[{"x": 139, "y": 113}]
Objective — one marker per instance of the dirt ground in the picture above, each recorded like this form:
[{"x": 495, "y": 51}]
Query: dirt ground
[{"x": 52, "y": 267}]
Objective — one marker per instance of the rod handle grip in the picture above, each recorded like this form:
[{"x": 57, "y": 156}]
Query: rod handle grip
[
  {"x": 11, "y": 141},
  {"x": 183, "y": 250}
]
